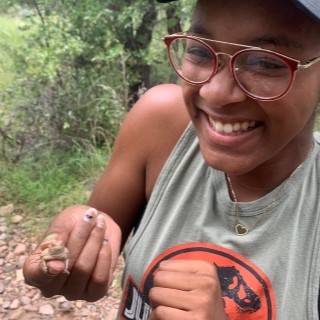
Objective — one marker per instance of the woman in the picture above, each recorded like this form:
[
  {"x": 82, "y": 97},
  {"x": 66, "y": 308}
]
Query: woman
[{"x": 230, "y": 206}]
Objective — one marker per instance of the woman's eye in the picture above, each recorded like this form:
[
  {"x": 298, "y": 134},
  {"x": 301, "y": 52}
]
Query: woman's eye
[
  {"x": 267, "y": 64},
  {"x": 198, "y": 54},
  {"x": 263, "y": 64}
]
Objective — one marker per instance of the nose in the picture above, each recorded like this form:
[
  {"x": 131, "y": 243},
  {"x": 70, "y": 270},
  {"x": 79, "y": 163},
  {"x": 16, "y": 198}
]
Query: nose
[{"x": 222, "y": 88}]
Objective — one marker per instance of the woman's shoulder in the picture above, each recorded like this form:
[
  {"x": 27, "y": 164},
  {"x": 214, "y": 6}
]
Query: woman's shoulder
[
  {"x": 163, "y": 100},
  {"x": 149, "y": 133},
  {"x": 160, "y": 116}
]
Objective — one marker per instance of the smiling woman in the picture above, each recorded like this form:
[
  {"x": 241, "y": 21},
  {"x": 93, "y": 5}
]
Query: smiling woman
[{"x": 218, "y": 178}]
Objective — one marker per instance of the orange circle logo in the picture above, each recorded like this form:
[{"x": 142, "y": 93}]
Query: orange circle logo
[{"x": 246, "y": 290}]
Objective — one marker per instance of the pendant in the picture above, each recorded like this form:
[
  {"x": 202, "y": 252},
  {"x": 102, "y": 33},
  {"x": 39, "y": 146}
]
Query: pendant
[{"x": 241, "y": 230}]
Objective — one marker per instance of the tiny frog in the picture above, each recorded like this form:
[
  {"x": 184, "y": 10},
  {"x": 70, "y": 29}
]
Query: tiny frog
[{"x": 55, "y": 250}]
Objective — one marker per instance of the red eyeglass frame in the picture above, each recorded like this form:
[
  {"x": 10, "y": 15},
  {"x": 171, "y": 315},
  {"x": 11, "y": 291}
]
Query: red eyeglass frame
[{"x": 293, "y": 64}]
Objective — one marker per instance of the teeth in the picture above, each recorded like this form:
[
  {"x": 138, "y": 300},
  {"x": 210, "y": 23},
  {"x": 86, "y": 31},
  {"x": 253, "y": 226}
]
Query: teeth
[
  {"x": 232, "y": 127},
  {"x": 245, "y": 125},
  {"x": 228, "y": 128},
  {"x": 237, "y": 126}
]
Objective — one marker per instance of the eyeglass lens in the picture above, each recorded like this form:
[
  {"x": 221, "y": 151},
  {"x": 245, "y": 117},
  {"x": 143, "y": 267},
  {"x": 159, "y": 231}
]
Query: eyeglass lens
[{"x": 261, "y": 74}]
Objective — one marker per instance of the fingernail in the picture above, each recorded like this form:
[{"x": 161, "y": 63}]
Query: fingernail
[
  {"x": 100, "y": 221},
  {"x": 105, "y": 241},
  {"x": 90, "y": 214}
]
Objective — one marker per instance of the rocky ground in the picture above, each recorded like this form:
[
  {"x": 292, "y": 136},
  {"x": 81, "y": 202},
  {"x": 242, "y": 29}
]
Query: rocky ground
[{"x": 20, "y": 301}]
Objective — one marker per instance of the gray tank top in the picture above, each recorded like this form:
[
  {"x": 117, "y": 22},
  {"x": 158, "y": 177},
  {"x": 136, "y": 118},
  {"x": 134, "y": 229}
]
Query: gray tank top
[{"x": 270, "y": 273}]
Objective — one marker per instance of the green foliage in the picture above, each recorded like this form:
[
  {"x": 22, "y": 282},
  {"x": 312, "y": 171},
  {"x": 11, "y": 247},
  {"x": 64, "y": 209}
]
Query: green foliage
[
  {"x": 80, "y": 65},
  {"x": 69, "y": 91},
  {"x": 55, "y": 182},
  {"x": 69, "y": 69},
  {"x": 9, "y": 38}
]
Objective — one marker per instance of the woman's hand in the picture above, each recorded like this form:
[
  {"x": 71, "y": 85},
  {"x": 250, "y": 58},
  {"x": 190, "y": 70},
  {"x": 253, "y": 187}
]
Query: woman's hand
[
  {"x": 77, "y": 257},
  {"x": 186, "y": 289}
]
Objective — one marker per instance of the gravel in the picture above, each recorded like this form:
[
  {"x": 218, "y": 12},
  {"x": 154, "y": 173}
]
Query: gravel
[{"x": 19, "y": 301}]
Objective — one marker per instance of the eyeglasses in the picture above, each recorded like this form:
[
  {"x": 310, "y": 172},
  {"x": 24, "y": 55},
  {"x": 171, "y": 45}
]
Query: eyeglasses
[{"x": 262, "y": 74}]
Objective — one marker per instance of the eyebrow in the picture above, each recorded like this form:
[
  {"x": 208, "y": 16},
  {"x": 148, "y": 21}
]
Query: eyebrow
[
  {"x": 198, "y": 30},
  {"x": 277, "y": 41}
]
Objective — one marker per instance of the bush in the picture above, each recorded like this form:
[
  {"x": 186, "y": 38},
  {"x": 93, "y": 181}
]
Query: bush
[
  {"x": 52, "y": 183},
  {"x": 81, "y": 64},
  {"x": 68, "y": 90}
]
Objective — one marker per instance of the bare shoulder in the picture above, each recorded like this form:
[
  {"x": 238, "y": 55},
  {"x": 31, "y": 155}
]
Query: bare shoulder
[
  {"x": 162, "y": 103},
  {"x": 145, "y": 140},
  {"x": 154, "y": 124},
  {"x": 164, "y": 118},
  {"x": 158, "y": 119}
]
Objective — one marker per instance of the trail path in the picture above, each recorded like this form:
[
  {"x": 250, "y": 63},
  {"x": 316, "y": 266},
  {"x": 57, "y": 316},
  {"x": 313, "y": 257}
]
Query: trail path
[{"x": 20, "y": 301}]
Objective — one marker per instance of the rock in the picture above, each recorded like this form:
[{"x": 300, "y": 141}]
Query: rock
[
  {"x": 8, "y": 267},
  {"x": 23, "y": 290},
  {"x": 3, "y": 236},
  {"x": 16, "y": 219},
  {"x": 25, "y": 300},
  {"x": 21, "y": 261},
  {"x": 66, "y": 306},
  {"x": 19, "y": 275},
  {"x": 111, "y": 314},
  {"x": 15, "y": 304},
  {"x": 1, "y": 287},
  {"x": 30, "y": 308},
  {"x": 9, "y": 256},
  {"x": 32, "y": 292},
  {"x": 46, "y": 310},
  {"x": 18, "y": 314},
  {"x": 8, "y": 209},
  {"x": 37, "y": 296},
  {"x": 84, "y": 313},
  {"x": 61, "y": 299},
  {"x": 20, "y": 249},
  {"x": 6, "y": 304},
  {"x": 3, "y": 248},
  {"x": 13, "y": 242}
]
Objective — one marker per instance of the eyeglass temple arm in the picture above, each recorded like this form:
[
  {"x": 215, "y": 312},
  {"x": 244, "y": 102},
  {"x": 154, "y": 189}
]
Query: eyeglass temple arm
[{"x": 309, "y": 63}]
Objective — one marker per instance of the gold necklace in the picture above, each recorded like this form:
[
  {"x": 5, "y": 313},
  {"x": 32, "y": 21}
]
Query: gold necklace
[{"x": 239, "y": 228}]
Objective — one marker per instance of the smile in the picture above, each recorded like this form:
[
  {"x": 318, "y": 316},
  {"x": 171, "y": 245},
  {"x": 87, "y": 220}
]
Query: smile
[{"x": 231, "y": 128}]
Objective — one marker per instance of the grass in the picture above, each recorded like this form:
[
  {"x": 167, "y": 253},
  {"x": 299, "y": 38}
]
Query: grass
[
  {"x": 42, "y": 185},
  {"x": 40, "y": 189}
]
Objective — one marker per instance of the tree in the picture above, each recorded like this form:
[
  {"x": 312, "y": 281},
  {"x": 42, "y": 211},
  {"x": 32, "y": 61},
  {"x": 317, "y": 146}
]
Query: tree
[{"x": 83, "y": 63}]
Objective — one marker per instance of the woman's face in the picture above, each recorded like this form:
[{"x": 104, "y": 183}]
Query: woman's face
[{"x": 270, "y": 132}]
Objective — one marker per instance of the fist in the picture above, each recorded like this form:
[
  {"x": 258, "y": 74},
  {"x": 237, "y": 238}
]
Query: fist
[{"x": 186, "y": 289}]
